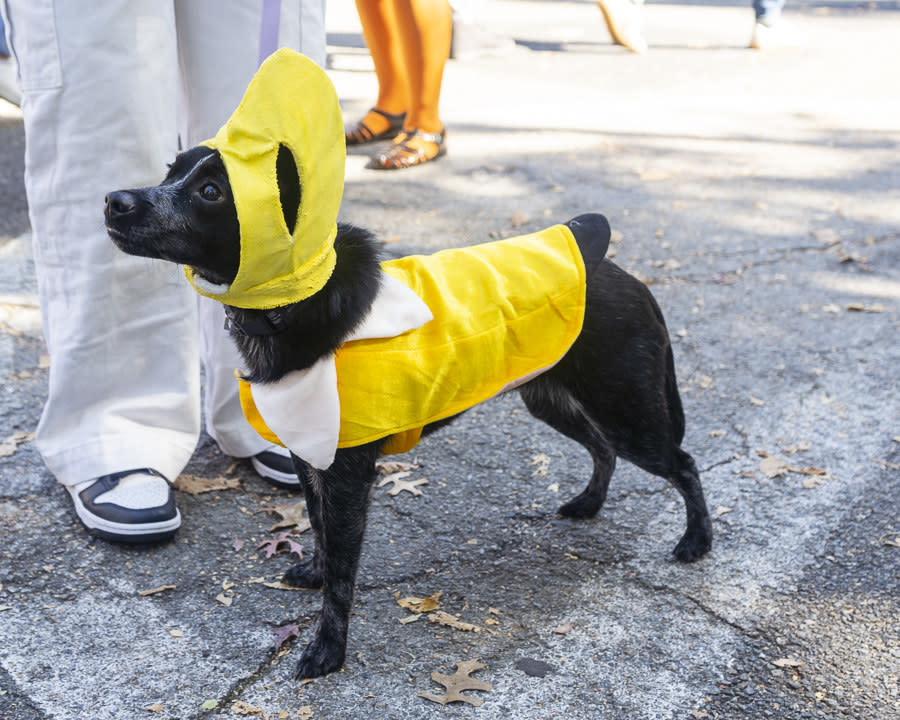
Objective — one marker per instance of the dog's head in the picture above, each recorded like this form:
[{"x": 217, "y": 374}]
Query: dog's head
[
  {"x": 190, "y": 218},
  {"x": 232, "y": 210}
]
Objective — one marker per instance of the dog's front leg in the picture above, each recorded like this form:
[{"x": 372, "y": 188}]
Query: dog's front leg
[
  {"x": 309, "y": 573},
  {"x": 344, "y": 494}
]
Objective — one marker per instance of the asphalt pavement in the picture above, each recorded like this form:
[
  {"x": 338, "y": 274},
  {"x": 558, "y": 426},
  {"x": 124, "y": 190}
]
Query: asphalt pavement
[{"x": 758, "y": 193}]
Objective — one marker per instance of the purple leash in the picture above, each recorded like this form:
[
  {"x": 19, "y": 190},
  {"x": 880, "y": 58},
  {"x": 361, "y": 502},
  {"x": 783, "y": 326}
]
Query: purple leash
[{"x": 268, "y": 28}]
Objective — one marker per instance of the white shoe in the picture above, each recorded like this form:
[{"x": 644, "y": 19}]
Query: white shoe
[
  {"x": 9, "y": 86},
  {"x": 779, "y": 34},
  {"x": 623, "y": 20},
  {"x": 133, "y": 506}
]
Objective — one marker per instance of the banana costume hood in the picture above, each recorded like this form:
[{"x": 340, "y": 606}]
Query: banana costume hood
[
  {"x": 289, "y": 103},
  {"x": 445, "y": 331}
]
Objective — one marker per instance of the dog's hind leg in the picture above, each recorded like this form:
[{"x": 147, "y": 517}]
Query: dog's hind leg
[
  {"x": 697, "y": 538},
  {"x": 557, "y": 407},
  {"x": 308, "y": 574},
  {"x": 344, "y": 492}
]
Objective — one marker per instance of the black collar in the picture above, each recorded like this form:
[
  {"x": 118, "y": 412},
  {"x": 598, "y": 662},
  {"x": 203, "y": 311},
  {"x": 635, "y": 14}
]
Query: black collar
[{"x": 255, "y": 323}]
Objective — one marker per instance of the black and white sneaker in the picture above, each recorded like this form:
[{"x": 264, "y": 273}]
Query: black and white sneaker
[
  {"x": 133, "y": 506},
  {"x": 276, "y": 467}
]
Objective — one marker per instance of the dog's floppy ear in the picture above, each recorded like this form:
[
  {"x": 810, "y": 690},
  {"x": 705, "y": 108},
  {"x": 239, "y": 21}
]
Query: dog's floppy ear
[{"x": 288, "y": 186}]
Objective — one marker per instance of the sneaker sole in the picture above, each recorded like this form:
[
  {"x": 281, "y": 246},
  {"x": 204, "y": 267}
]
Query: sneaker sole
[
  {"x": 133, "y": 533},
  {"x": 289, "y": 481}
]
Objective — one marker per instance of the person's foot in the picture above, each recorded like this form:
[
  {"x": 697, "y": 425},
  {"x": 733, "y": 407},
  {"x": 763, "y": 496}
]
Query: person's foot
[
  {"x": 770, "y": 34},
  {"x": 376, "y": 125},
  {"x": 470, "y": 41},
  {"x": 9, "y": 87},
  {"x": 133, "y": 506},
  {"x": 411, "y": 148},
  {"x": 623, "y": 20},
  {"x": 275, "y": 466}
]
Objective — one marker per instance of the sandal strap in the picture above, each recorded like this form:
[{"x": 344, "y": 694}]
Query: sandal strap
[
  {"x": 361, "y": 133},
  {"x": 434, "y": 138},
  {"x": 395, "y": 119}
]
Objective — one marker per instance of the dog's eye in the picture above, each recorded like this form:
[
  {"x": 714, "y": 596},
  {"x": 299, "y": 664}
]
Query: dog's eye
[{"x": 210, "y": 192}]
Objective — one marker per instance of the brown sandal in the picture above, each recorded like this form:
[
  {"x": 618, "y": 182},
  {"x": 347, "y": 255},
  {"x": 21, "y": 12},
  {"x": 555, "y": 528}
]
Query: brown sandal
[
  {"x": 360, "y": 134},
  {"x": 411, "y": 148}
]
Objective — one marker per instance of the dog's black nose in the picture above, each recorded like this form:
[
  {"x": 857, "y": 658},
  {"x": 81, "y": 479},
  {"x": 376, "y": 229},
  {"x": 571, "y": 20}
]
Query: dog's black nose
[{"x": 120, "y": 202}]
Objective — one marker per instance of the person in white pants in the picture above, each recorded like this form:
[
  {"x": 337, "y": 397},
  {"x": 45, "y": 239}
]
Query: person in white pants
[{"x": 109, "y": 90}]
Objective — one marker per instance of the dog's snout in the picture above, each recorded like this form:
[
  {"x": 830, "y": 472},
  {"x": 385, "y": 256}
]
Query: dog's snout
[{"x": 120, "y": 202}]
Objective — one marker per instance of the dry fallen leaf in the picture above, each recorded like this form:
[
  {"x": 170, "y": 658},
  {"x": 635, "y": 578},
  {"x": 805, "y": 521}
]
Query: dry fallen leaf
[
  {"x": 722, "y": 510},
  {"x": 564, "y": 629},
  {"x": 193, "y": 485},
  {"x": 773, "y": 467},
  {"x": 282, "y": 586},
  {"x": 518, "y": 219},
  {"x": 399, "y": 484},
  {"x": 446, "y": 619},
  {"x": 541, "y": 464},
  {"x": 154, "y": 591},
  {"x": 239, "y": 707},
  {"x": 788, "y": 663},
  {"x": 156, "y": 707},
  {"x": 420, "y": 605},
  {"x": 388, "y": 467},
  {"x": 456, "y": 683},
  {"x": 276, "y": 545},
  {"x": 9, "y": 445},
  {"x": 797, "y": 448},
  {"x": 283, "y": 633},
  {"x": 291, "y": 514}
]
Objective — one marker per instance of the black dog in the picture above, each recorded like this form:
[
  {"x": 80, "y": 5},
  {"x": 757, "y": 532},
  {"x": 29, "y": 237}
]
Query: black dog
[{"x": 614, "y": 391}]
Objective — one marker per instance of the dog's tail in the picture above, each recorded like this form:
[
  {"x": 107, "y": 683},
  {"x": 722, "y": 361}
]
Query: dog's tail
[{"x": 673, "y": 397}]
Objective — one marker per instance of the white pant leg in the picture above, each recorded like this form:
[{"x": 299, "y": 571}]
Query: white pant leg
[
  {"x": 99, "y": 82},
  {"x": 219, "y": 53}
]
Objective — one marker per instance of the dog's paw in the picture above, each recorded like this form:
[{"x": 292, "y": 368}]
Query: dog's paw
[
  {"x": 319, "y": 658},
  {"x": 581, "y": 507},
  {"x": 693, "y": 545},
  {"x": 307, "y": 574}
]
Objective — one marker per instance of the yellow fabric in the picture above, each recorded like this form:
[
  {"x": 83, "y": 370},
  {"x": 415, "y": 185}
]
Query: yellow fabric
[
  {"x": 502, "y": 312},
  {"x": 251, "y": 413},
  {"x": 290, "y": 101}
]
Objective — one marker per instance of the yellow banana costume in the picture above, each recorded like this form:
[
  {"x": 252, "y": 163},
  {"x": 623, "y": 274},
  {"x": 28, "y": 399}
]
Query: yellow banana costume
[
  {"x": 291, "y": 102},
  {"x": 446, "y": 331}
]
